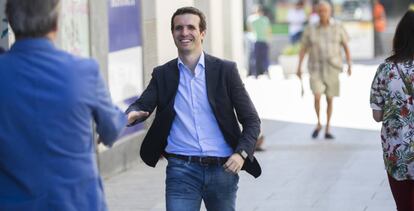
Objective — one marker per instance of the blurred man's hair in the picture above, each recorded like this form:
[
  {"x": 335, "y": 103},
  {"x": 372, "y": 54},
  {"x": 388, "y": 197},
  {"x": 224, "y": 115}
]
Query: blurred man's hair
[
  {"x": 190, "y": 10},
  {"x": 325, "y": 3},
  {"x": 32, "y": 18}
]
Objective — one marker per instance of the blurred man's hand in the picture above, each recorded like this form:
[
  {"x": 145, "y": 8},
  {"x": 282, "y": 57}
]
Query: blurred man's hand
[
  {"x": 299, "y": 73},
  {"x": 349, "y": 70}
]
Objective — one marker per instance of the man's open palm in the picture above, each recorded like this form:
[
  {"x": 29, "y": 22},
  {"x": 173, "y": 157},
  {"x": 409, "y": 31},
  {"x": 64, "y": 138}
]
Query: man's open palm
[{"x": 136, "y": 115}]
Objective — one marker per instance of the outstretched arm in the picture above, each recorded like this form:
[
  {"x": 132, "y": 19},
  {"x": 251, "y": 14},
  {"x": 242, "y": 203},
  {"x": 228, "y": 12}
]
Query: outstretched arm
[
  {"x": 145, "y": 105},
  {"x": 110, "y": 121}
]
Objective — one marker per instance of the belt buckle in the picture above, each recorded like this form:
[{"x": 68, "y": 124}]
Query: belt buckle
[{"x": 203, "y": 161}]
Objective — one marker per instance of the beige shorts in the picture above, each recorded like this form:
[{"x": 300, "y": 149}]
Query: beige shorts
[{"x": 328, "y": 85}]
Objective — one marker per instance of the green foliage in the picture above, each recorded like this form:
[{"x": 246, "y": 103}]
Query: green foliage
[
  {"x": 291, "y": 50},
  {"x": 280, "y": 28}
]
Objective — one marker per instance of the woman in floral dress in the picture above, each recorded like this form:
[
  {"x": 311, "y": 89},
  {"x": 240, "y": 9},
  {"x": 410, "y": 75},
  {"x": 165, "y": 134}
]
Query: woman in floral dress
[{"x": 392, "y": 103}]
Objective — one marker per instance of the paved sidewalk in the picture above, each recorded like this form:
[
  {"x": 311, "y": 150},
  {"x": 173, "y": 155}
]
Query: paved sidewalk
[{"x": 299, "y": 173}]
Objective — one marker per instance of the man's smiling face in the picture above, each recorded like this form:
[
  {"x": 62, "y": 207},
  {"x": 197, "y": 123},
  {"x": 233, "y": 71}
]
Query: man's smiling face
[{"x": 187, "y": 35}]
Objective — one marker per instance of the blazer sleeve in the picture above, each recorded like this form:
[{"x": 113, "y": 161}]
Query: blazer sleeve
[
  {"x": 148, "y": 99},
  {"x": 245, "y": 111},
  {"x": 110, "y": 120}
]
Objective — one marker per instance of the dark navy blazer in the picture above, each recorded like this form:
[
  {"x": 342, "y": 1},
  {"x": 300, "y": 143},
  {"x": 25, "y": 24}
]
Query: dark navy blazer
[{"x": 228, "y": 99}]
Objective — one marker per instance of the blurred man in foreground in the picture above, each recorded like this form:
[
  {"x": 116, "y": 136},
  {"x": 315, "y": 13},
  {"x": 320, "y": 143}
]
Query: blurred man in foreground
[{"x": 48, "y": 101}]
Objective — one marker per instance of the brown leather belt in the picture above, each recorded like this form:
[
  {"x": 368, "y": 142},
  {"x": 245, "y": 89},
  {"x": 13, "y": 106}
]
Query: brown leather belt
[{"x": 207, "y": 160}]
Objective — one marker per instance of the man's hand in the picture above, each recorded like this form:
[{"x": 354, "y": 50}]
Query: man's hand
[
  {"x": 234, "y": 163},
  {"x": 299, "y": 73},
  {"x": 135, "y": 115},
  {"x": 349, "y": 71}
]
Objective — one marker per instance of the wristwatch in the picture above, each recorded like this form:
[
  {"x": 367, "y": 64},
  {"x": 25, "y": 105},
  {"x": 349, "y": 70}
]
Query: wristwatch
[{"x": 243, "y": 154}]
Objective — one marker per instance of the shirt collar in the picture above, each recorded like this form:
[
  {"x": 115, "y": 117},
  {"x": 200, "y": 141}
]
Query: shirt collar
[
  {"x": 32, "y": 43},
  {"x": 331, "y": 22},
  {"x": 201, "y": 61}
]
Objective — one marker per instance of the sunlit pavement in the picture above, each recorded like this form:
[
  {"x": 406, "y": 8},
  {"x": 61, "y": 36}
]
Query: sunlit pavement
[
  {"x": 280, "y": 98},
  {"x": 299, "y": 173}
]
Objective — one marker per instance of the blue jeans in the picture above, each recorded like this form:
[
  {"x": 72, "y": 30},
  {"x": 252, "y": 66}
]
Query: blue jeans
[
  {"x": 188, "y": 183},
  {"x": 296, "y": 37},
  {"x": 259, "y": 59}
]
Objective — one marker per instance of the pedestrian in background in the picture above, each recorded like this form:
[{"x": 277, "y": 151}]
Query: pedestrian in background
[
  {"x": 314, "y": 17},
  {"x": 324, "y": 42},
  {"x": 199, "y": 100},
  {"x": 48, "y": 100},
  {"x": 392, "y": 93},
  {"x": 260, "y": 26},
  {"x": 380, "y": 23},
  {"x": 2, "y": 50},
  {"x": 296, "y": 18}
]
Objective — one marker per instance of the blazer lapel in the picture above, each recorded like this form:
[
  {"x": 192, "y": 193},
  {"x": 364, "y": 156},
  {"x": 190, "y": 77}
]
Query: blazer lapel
[
  {"x": 172, "y": 79},
  {"x": 212, "y": 75}
]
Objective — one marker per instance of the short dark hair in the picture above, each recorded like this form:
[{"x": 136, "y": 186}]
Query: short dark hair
[
  {"x": 300, "y": 3},
  {"x": 32, "y": 18},
  {"x": 260, "y": 8},
  {"x": 190, "y": 10},
  {"x": 403, "y": 42}
]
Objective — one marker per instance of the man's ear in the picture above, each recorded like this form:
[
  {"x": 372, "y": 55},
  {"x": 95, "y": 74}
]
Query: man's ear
[
  {"x": 203, "y": 35},
  {"x": 55, "y": 26},
  {"x": 52, "y": 35}
]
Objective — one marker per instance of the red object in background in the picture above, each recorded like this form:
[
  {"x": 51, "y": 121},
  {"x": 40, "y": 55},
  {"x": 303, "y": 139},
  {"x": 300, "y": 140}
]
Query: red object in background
[{"x": 380, "y": 21}]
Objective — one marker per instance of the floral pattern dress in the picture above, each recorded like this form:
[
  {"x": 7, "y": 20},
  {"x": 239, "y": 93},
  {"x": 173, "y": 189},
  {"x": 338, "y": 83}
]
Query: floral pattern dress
[{"x": 390, "y": 95}]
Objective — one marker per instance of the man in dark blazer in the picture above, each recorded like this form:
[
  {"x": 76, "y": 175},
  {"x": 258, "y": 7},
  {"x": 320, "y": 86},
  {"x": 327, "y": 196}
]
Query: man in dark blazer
[{"x": 200, "y": 101}]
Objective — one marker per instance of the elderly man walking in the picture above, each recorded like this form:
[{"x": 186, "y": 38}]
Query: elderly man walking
[{"x": 324, "y": 42}]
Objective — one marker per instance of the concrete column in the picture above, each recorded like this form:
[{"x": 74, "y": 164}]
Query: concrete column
[
  {"x": 224, "y": 37},
  {"x": 233, "y": 32},
  {"x": 213, "y": 10},
  {"x": 166, "y": 48},
  {"x": 204, "y": 6},
  {"x": 149, "y": 38},
  {"x": 98, "y": 33}
]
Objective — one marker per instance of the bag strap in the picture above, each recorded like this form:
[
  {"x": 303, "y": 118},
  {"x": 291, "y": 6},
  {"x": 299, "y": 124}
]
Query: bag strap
[{"x": 407, "y": 82}]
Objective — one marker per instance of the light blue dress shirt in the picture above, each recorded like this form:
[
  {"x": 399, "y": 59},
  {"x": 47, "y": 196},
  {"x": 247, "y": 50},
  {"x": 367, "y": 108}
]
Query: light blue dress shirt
[{"x": 195, "y": 130}]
